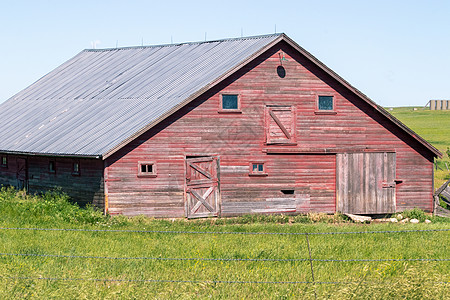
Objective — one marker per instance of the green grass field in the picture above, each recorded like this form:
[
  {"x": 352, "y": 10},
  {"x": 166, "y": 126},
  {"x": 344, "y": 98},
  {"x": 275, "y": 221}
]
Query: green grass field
[
  {"x": 89, "y": 268},
  {"x": 433, "y": 126}
]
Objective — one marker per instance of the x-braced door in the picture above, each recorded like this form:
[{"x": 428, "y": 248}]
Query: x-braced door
[
  {"x": 280, "y": 124},
  {"x": 202, "y": 187}
]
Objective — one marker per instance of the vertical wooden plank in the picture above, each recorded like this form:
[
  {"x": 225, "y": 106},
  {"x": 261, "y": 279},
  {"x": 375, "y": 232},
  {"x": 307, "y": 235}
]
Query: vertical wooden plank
[
  {"x": 217, "y": 196},
  {"x": 345, "y": 168},
  {"x": 373, "y": 180},
  {"x": 339, "y": 179},
  {"x": 376, "y": 170},
  {"x": 351, "y": 183},
  {"x": 381, "y": 199},
  {"x": 360, "y": 187},
  {"x": 385, "y": 201},
  {"x": 394, "y": 177},
  {"x": 391, "y": 158},
  {"x": 367, "y": 188},
  {"x": 357, "y": 182},
  {"x": 342, "y": 181}
]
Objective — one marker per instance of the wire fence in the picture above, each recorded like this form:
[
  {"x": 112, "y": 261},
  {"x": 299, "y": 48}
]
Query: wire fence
[
  {"x": 311, "y": 260},
  {"x": 222, "y": 232},
  {"x": 200, "y": 281},
  {"x": 225, "y": 259},
  {"x": 176, "y": 281}
]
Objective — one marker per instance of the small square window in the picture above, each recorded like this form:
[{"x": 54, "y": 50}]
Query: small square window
[
  {"x": 326, "y": 103},
  {"x": 4, "y": 161},
  {"x": 76, "y": 168},
  {"x": 146, "y": 169},
  {"x": 51, "y": 167},
  {"x": 257, "y": 169},
  {"x": 229, "y": 103}
]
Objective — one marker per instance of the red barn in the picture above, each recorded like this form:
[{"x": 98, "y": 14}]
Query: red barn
[{"x": 227, "y": 127}]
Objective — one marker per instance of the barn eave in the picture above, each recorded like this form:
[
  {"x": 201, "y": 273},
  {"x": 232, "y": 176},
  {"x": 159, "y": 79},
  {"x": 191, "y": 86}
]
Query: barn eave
[{"x": 65, "y": 155}]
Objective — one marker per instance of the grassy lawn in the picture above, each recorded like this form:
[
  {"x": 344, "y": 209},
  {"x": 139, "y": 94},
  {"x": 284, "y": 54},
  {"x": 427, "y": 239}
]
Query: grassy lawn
[
  {"x": 433, "y": 126},
  {"x": 231, "y": 275}
]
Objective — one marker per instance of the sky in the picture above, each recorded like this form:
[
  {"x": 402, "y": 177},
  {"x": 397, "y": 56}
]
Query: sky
[{"x": 396, "y": 52}]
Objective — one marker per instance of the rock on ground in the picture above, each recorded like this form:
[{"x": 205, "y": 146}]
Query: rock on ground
[{"x": 358, "y": 218}]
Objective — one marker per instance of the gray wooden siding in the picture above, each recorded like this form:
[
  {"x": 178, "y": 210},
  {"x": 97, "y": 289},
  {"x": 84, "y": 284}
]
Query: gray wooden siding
[{"x": 365, "y": 183}]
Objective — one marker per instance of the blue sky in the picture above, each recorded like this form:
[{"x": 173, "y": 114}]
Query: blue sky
[{"x": 396, "y": 52}]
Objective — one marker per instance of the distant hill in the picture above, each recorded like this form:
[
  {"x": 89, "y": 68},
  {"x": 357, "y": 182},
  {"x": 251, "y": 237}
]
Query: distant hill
[{"x": 432, "y": 125}]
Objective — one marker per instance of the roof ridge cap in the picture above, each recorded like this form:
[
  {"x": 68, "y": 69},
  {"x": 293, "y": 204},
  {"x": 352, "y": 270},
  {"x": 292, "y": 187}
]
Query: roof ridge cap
[{"x": 187, "y": 43}]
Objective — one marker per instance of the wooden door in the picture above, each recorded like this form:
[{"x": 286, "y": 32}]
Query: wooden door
[
  {"x": 202, "y": 187},
  {"x": 280, "y": 124},
  {"x": 365, "y": 183},
  {"x": 22, "y": 174}
]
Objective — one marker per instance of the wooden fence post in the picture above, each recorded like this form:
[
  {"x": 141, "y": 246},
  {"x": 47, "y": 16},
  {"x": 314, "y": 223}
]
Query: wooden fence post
[{"x": 311, "y": 263}]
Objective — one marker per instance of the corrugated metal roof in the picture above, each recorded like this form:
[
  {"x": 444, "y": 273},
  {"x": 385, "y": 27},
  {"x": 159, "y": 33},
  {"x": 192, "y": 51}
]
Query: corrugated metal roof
[{"x": 99, "y": 98}]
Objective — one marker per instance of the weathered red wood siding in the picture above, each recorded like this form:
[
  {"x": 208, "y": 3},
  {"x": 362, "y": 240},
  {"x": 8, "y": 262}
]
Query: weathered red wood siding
[
  {"x": 87, "y": 187},
  {"x": 239, "y": 138},
  {"x": 8, "y": 173}
]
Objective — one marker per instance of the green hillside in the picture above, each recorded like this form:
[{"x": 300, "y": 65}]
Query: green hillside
[{"x": 434, "y": 126}]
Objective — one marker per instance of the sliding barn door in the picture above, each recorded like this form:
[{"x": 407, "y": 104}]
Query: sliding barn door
[
  {"x": 202, "y": 187},
  {"x": 365, "y": 183}
]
